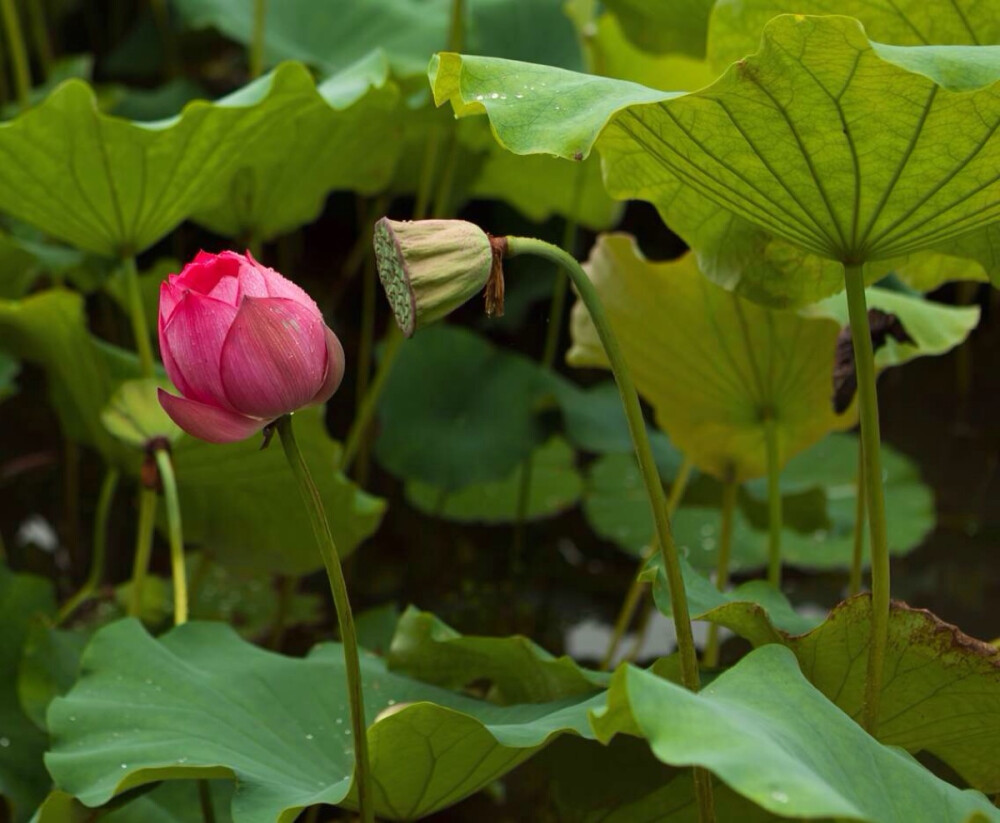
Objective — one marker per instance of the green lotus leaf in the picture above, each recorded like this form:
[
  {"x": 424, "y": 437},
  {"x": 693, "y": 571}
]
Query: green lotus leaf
[
  {"x": 49, "y": 662},
  {"x": 333, "y": 37},
  {"x": 662, "y": 28},
  {"x": 934, "y": 327},
  {"x": 712, "y": 365},
  {"x": 23, "y": 779},
  {"x": 929, "y": 270},
  {"x": 763, "y": 172},
  {"x": 200, "y": 702},
  {"x": 344, "y": 137},
  {"x": 472, "y": 403},
  {"x": 174, "y": 801},
  {"x": 755, "y": 727},
  {"x": 517, "y": 670},
  {"x": 735, "y": 25},
  {"x": 942, "y": 695},
  {"x": 115, "y": 187},
  {"x": 50, "y": 330},
  {"x": 556, "y": 485},
  {"x": 242, "y": 505},
  {"x": 134, "y": 414}
]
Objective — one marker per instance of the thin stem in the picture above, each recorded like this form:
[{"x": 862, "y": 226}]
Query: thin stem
[
  {"x": 257, "y": 44},
  {"x": 774, "y": 512},
  {"x": 638, "y": 589},
  {"x": 205, "y": 801},
  {"x": 456, "y": 27},
  {"x": 40, "y": 35},
  {"x": 442, "y": 198},
  {"x": 729, "y": 490},
  {"x": 18, "y": 53},
  {"x": 857, "y": 557},
  {"x": 366, "y": 350},
  {"x": 338, "y": 588},
  {"x": 99, "y": 548},
  {"x": 176, "y": 534},
  {"x": 393, "y": 339},
  {"x": 161, "y": 14},
  {"x": 143, "y": 549},
  {"x": 427, "y": 175},
  {"x": 137, "y": 315},
  {"x": 864, "y": 363},
  {"x": 647, "y": 466}
]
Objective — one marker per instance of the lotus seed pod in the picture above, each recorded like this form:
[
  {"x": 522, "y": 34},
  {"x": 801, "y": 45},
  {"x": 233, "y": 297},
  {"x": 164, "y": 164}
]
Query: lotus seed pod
[{"x": 429, "y": 268}]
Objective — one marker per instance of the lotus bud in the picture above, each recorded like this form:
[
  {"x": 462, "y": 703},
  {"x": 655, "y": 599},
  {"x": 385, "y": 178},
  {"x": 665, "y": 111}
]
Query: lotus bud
[{"x": 429, "y": 268}]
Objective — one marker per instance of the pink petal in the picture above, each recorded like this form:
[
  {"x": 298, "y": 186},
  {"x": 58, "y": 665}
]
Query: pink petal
[
  {"x": 274, "y": 358},
  {"x": 334, "y": 368},
  {"x": 191, "y": 345},
  {"x": 206, "y": 270},
  {"x": 276, "y": 285},
  {"x": 170, "y": 296},
  {"x": 209, "y": 422}
]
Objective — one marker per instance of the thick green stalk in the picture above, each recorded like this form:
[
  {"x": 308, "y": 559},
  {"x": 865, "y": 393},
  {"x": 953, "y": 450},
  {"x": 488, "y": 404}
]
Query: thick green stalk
[
  {"x": 18, "y": 53},
  {"x": 338, "y": 588},
  {"x": 257, "y": 44},
  {"x": 773, "y": 501},
  {"x": 864, "y": 364},
  {"x": 857, "y": 557},
  {"x": 137, "y": 315},
  {"x": 205, "y": 801},
  {"x": 650, "y": 475},
  {"x": 176, "y": 534},
  {"x": 729, "y": 490},
  {"x": 638, "y": 589},
  {"x": 98, "y": 549},
  {"x": 393, "y": 339},
  {"x": 143, "y": 549},
  {"x": 40, "y": 35}
]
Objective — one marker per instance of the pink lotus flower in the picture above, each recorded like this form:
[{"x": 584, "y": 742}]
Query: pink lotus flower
[{"x": 243, "y": 345}]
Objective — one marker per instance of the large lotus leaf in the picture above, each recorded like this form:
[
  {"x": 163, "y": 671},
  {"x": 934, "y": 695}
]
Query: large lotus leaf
[
  {"x": 243, "y": 506},
  {"x": 344, "y": 137},
  {"x": 517, "y": 670},
  {"x": 18, "y": 268},
  {"x": 23, "y": 780},
  {"x": 927, "y": 271},
  {"x": 614, "y": 55},
  {"x": 784, "y": 167},
  {"x": 556, "y": 485},
  {"x": 735, "y": 26},
  {"x": 173, "y": 801},
  {"x": 664, "y": 27},
  {"x": 457, "y": 410},
  {"x": 49, "y": 662},
  {"x": 49, "y": 329},
  {"x": 941, "y": 691},
  {"x": 332, "y": 36},
  {"x": 754, "y": 610},
  {"x": 819, "y": 496},
  {"x": 770, "y": 735},
  {"x": 200, "y": 702},
  {"x": 934, "y": 327},
  {"x": 712, "y": 365},
  {"x": 114, "y": 187}
]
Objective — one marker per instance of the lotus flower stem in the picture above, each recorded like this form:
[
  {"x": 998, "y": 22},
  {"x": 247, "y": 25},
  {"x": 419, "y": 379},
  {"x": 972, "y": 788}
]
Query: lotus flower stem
[
  {"x": 857, "y": 558},
  {"x": 345, "y": 619},
  {"x": 257, "y": 44},
  {"x": 730, "y": 488},
  {"x": 18, "y": 53},
  {"x": 178, "y": 572},
  {"x": 99, "y": 550},
  {"x": 40, "y": 35},
  {"x": 638, "y": 589},
  {"x": 773, "y": 501},
  {"x": 205, "y": 801},
  {"x": 393, "y": 339},
  {"x": 864, "y": 361},
  {"x": 140, "y": 330},
  {"x": 143, "y": 549},
  {"x": 647, "y": 466}
]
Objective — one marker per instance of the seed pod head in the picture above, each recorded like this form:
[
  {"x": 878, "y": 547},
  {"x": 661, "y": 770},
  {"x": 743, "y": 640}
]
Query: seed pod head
[{"x": 429, "y": 268}]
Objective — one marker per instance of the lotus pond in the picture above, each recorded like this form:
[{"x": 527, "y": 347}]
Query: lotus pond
[{"x": 499, "y": 410}]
